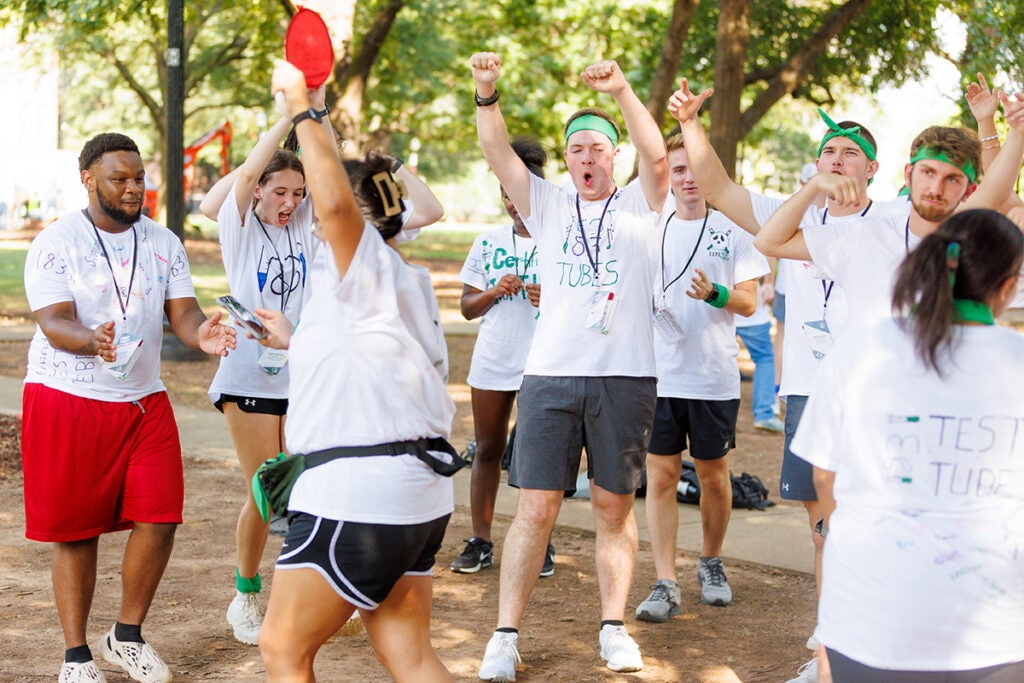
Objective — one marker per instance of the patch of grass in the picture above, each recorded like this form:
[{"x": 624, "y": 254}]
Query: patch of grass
[
  {"x": 12, "y": 279},
  {"x": 450, "y": 245}
]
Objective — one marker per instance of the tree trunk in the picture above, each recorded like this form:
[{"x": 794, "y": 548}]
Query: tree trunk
[
  {"x": 730, "y": 61},
  {"x": 663, "y": 84},
  {"x": 795, "y": 70}
]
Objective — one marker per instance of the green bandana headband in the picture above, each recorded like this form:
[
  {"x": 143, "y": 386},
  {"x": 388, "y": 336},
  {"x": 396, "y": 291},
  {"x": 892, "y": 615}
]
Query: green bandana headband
[
  {"x": 594, "y": 123},
  {"x": 937, "y": 155},
  {"x": 853, "y": 133}
]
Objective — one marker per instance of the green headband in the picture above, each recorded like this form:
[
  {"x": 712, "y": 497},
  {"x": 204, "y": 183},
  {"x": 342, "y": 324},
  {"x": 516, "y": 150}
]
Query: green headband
[
  {"x": 937, "y": 155},
  {"x": 853, "y": 133},
  {"x": 594, "y": 123}
]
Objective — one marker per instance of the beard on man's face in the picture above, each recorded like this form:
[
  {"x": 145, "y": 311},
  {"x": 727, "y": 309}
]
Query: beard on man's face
[
  {"x": 935, "y": 213},
  {"x": 118, "y": 214}
]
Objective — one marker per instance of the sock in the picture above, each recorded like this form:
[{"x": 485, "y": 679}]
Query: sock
[
  {"x": 611, "y": 622},
  {"x": 78, "y": 655},
  {"x": 244, "y": 585},
  {"x": 128, "y": 633},
  {"x": 507, "y": 629}
]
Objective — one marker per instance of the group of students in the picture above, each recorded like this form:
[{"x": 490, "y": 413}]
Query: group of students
[{"x": 905, "y": 459}]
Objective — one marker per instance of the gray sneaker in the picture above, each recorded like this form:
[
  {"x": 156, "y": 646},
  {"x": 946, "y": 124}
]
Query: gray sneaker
[
  {"x": 714, "y": 588},
  {"x": 662, "y": 603}
]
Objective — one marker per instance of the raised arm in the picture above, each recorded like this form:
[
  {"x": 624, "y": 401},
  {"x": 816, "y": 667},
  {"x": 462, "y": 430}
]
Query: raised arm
[
  {"x": 340, "y": 218},
  {"x": 426, "y": 208},
  {"x": 492, "y": 133},
  {"x": 714, "y": 182},
  {"x": 984, "y": 103},
  {"x": 652, "y": 161},
  {"x": 781, "y": 236},
  {"x": 1001, "y": 176}
]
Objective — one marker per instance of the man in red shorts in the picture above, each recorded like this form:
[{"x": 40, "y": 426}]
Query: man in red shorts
[{"x": 100, "y": 447}]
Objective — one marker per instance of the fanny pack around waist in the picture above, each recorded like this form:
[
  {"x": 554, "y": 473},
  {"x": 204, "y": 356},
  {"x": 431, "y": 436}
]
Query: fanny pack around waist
[{"x": 273, "y": 482}]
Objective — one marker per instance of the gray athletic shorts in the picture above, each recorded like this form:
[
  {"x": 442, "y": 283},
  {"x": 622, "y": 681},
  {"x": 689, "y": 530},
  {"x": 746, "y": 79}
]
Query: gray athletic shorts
[
  {"x": 559, "y": 416},
  {"x": 796, "y": 481}
]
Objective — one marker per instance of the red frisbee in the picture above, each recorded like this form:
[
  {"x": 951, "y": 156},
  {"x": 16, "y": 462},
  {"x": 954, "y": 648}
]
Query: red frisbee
[{"x": 307, "y": 45}]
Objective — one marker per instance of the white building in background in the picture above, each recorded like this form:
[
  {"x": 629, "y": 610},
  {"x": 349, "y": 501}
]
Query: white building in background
[{"x": 32, "y": 167}]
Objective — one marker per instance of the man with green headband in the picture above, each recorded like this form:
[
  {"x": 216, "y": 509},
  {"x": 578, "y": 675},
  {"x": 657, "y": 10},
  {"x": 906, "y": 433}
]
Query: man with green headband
[
  {"x": 590, "y": 375},
  {"x": 864, "y": 255}
]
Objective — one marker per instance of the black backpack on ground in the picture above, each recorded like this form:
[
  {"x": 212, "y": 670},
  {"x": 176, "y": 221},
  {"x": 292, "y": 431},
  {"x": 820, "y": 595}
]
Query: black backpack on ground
[{"x": 748, "y": 491}]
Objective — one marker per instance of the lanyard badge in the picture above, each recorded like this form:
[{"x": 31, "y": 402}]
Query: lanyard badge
[
  {"x": 127, "y": 345},
  {"x": 273, "y": 360}
]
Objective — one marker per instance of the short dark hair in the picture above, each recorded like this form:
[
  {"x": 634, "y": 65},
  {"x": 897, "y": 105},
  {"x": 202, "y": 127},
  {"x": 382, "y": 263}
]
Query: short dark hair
[
  {"x": 989, "y": 250},
  {"x": 103, "y": 143},
  {"x": 531, "y": 153}
]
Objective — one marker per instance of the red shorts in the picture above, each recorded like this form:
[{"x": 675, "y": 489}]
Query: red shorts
[{"x": 96, "y": 466}]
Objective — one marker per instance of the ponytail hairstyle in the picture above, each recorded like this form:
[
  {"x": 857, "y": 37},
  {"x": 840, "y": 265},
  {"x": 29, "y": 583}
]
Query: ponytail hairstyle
[
  {"x": 969, "y": 257},
  {"x": 378, "y": 194}
]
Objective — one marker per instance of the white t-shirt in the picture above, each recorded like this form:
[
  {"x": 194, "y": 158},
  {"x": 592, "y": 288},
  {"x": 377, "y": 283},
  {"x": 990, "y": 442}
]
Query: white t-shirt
[
  {"x": 703, "y": 364},
  {"x": 66, "y": 263},
  {"x": 863, "y": 255},
  {"x": 812, "y": 297},
  {"x": 506, "y": 329},
  {"x": 267, "y": 267},
  {"x": 924, "y": 562},
  {"x": 360, "y": 378},
  {"x": 626, "y": 256}
]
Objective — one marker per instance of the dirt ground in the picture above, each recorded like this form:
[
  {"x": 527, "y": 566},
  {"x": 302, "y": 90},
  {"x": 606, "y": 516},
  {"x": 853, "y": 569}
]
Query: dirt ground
[{"x": 759, "y": 638}]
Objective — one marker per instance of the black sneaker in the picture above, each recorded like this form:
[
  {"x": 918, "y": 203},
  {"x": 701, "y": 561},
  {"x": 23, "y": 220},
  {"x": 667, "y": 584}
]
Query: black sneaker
[
  {"x": 549, "y": 562},
  {"x": 479, "y": 554}
]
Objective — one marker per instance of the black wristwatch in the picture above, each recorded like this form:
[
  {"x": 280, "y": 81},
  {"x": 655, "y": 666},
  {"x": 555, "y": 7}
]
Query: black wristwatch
[{"x": 308, "y": 114}]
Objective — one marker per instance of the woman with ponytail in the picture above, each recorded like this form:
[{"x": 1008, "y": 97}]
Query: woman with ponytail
[{"x": 915, "y": 429}]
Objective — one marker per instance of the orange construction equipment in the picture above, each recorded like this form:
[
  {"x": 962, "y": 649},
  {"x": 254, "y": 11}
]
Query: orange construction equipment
[{"x": 223, "y": 132}]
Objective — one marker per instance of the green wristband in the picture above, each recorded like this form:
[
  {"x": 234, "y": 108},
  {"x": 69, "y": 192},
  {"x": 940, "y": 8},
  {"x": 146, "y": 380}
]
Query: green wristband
[{"x": 719, "y": 295}]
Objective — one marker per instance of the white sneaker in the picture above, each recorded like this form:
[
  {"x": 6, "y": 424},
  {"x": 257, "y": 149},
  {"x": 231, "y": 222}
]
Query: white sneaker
[
  {"x": 500, "y": 658},
  {"x": 619, "y": 650},
  {"x": 807, "y": 673},
  {"x": 246, "y": 616},
  {"x": 139, "y": 660},
  {"x": 75, "y": 672}
]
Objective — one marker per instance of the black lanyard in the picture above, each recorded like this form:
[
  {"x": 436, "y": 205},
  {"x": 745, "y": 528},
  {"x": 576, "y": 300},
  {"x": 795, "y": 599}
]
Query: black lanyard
[
  {"x": 862, "y": 213},
  {"x": 515, "y": 255},
  {"x": 827, "y": 290},
  {"x": 595, "y": 260},
  {"x": 110, "y": 265},
  {"x": 286, "y": 291},
  {"x": 906, "y": 236},
  {"x": 664, "y": 231}
]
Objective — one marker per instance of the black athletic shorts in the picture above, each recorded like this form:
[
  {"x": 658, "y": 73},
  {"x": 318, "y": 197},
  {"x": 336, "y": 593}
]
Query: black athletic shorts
[
  {"x": 361, "y": 562},
  {"x": 254, "y": 404}
]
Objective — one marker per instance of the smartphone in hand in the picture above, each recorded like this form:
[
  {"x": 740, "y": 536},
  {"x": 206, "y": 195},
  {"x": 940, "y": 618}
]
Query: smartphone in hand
[{"x": 243, "y": 315}]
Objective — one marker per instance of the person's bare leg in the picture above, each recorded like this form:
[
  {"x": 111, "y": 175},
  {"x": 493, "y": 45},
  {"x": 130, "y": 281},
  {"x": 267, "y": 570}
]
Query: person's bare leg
[
  {"x": 715, "y": 503},
  {"x": 73, "y": 572},
  {"x": 491, "y": 410},
  {"x": 303, "y": 612},
  {"x": 663, "y": 511},
  {"x": 256, "y": 437},
  {"x": 813, "y": 515},
  {"x": 522, "y": 555},
  {"x": 400, "y": 632},
  {"x": 145, "y": 557},
  {"x": 615, "y": 553}
]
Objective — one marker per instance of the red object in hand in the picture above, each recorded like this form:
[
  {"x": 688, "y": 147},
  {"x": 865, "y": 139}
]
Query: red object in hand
[{"x": 307, "y": 45}]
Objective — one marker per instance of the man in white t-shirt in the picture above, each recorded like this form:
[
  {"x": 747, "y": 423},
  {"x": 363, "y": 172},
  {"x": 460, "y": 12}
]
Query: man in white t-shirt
[
  {"x": 590, "y": 375},
  {"x": 942, "y": 178},
  {"x": 99, "y": 283},
  {"x": 708, "y": 273},
  {"x": 815, "y": 305}
]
